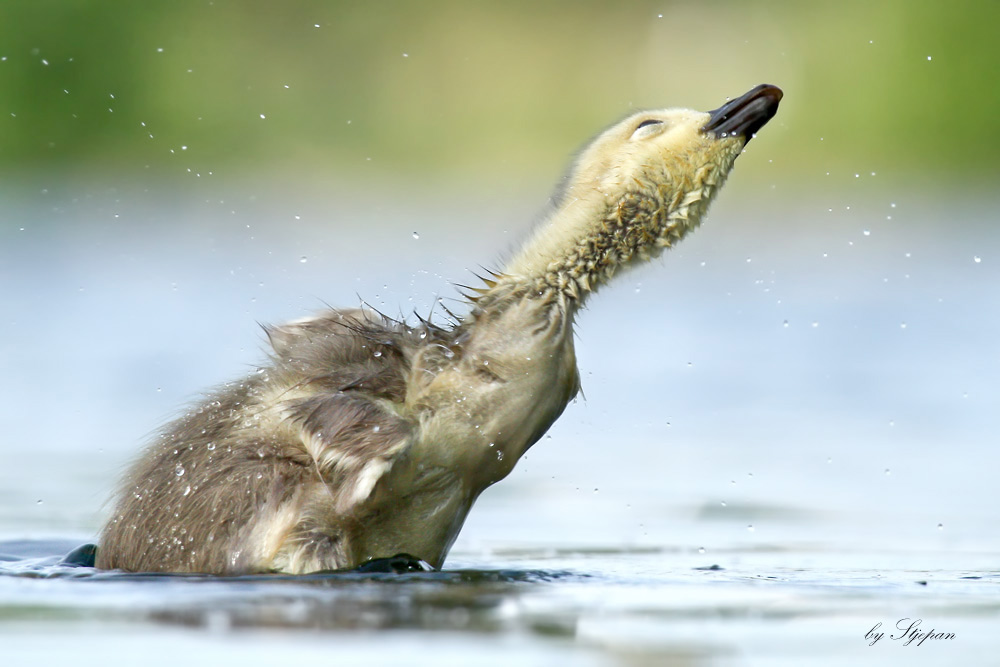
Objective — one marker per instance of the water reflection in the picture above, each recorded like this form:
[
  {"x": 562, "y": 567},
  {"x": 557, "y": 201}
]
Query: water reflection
[{"x": 463, "y": 599}]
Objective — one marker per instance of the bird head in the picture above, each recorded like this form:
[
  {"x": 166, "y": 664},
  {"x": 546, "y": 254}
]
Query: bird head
[{"x": 639, "y": 187}]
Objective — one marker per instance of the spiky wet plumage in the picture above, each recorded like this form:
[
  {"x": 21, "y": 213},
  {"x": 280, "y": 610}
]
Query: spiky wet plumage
[{"x": 365, "y": 437}]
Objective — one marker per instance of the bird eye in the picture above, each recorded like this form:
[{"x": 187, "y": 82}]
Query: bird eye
[{"x": 645, "y": 127}]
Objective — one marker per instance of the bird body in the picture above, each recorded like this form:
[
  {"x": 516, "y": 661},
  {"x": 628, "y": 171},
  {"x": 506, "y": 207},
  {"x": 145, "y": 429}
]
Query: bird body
[{"x": 365, "y": 437}]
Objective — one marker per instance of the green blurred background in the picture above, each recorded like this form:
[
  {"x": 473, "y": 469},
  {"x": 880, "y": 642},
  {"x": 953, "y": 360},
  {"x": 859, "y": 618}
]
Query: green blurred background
[{"x": 481, "y": 92}]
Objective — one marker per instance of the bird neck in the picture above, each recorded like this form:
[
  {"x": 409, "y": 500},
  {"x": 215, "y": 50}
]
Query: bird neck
[{"x": 582, "y": 246}]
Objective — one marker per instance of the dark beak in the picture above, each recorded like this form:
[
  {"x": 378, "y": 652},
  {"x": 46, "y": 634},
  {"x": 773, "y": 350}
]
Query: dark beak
[{"x": 746, "y": 114}]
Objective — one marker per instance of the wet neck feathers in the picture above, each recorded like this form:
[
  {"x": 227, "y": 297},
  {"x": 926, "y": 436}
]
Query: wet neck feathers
[{"x": 638, "y": 189}]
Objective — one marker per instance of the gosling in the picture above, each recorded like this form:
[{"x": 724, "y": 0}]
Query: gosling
[{"x": 364, "y": 437}]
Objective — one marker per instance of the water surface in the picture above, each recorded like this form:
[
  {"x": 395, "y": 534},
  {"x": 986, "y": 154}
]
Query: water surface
[{"x": 787, "y": 433}]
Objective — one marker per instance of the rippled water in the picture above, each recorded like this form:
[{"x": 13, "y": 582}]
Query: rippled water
[
  {"x": 787, "y": 436},
  {"x": 597, "y": 606}
]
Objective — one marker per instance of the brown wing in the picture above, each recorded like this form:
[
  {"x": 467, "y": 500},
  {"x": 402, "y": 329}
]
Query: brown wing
[
  {"x": 353, "y": 440},
  {"x": 350, "y": 369}
]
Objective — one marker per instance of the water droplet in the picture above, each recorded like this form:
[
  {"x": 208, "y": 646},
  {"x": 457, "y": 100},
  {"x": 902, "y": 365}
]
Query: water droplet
[
  {"x": 888, "y": 472},
  {"x": 977, "y": 259},
  {"x": 187, "y": 489},
  {"x": 39, "y": 501},
  {"x": 416, "y": 236},
  {"x": 499, "y": 455},
  {"x": 210, "y": 446},
  {"x": 303, "y": 259},
  {"x": 376, "y": 429},
  {"x": 750, "y": 527},
  {"x": 263, "y": 116},
  {"x": 406, "y": 55},
  {"x": 701, "y": 550},
  {"x": 723, "y": 503},
  {"x": 179, "y": 470},
  {"x": 940, "y": 526},
  {"x": 867, "y": 232}
]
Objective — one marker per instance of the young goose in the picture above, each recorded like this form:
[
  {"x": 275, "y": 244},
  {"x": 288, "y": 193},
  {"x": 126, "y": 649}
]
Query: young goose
[{"x": 365, "y": 437}]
